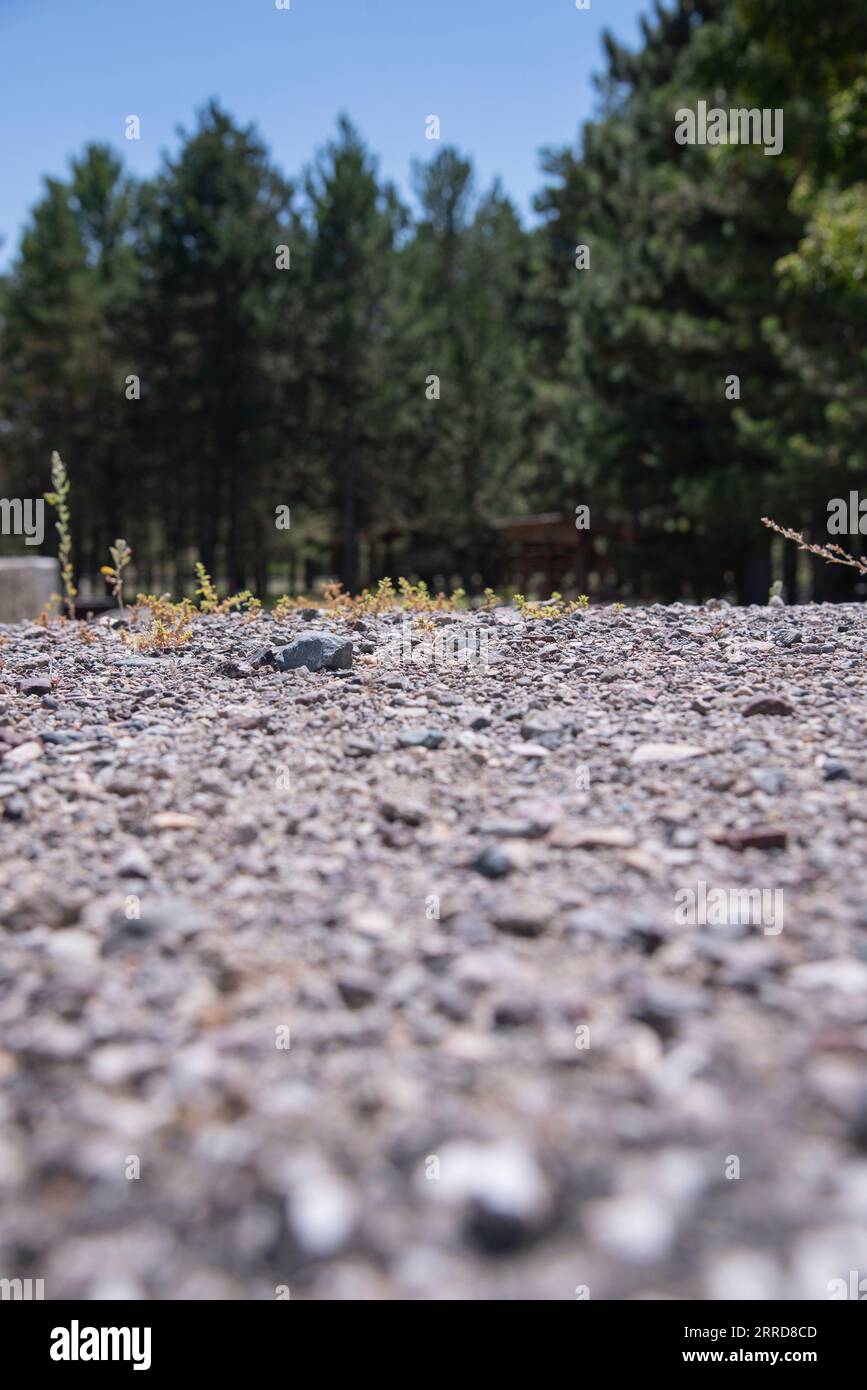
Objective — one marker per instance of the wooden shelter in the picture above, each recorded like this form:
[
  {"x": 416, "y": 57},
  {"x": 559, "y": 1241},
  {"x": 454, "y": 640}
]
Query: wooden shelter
[{"x": 546, "y": 544}]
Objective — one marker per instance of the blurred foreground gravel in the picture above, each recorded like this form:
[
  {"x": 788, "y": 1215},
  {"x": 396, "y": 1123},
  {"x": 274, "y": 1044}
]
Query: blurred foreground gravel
[{"x": 377, "y": 977}]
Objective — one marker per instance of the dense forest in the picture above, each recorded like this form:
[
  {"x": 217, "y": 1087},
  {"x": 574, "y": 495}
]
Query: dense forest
[{"x": 223, "y": 340}]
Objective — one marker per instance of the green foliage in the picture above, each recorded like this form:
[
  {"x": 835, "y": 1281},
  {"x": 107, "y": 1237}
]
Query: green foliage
[
  {"x": 406, "y": 380},
  {"x": 121, "y": 556},
  {"x": 709, "y": 262},
  {"x": 212, "y": 603}
]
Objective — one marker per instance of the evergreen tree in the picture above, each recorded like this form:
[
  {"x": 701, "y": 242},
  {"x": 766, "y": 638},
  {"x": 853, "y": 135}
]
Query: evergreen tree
[
  {"x": 355, "y": 224},
  {"x": 214, "y": 314}
]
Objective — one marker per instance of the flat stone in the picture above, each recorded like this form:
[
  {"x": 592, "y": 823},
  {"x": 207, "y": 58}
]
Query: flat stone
[
  {"x": 23, "y": 754},
  {"x": 168, "y": 921},
  {"x": 571, "y": 835},
  {"x": 420, "y": 738},
  {"x": 755, "y": 837},
  {"x": 173, "y": 820},
  {"x": 523, "y": 917},
  {"x": 767, "y": 704},
  {"x": 665, "y": 753},
  {"x": 356, "y": 747},
  {"x": 36, "y": 685}
]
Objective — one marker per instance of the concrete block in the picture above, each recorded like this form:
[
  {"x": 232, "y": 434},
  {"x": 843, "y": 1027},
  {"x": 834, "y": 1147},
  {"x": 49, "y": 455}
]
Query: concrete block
[{"x": 26, "y": 585}]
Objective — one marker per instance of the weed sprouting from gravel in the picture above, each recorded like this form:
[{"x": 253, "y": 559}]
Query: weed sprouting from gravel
[
  {"x": 212, "y": 603},
  {"x": 408, "y": 597},
  {"x": 832, "y": 554},
  {"x": 121, "y": 555},
  {"x": 59, "y": 499},
  {"x": 170, "y": 624},
  {"x": 554, "y": 607}
]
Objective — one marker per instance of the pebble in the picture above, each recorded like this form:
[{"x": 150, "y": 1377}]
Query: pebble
[
  {"x": 770, "y": 780},
  {"x": 635, "y": 1228},
  {"x": 322, "y": 1210},
  {"x": 499, "y": 1187},
  {"x": 523, "y": 917},
  {"x": 493, "y": 862},
  {"x": 543, "y": 731},
  {"x": 358, "y": 989},
  {"x": 134, "y": 863}
]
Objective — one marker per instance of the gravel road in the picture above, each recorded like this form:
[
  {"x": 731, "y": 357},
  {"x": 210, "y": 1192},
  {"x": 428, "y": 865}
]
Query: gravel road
[{"x": 524, "y": 958}]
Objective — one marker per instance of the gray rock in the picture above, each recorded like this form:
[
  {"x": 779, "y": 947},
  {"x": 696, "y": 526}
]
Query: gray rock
[
  {"x": 357, "y": 747},
  {"x": 318, "y": 651},
  {"x": 836, "y": 772},
  {"x": 134, "y": 863},
  {"x": 420, "y": 738},
  {"x": 262, "y": 656},
  {"x": 528, "y": 917},
  {"x": 769, "y": 780},
  {"x": 358, "y": 989},
  {"x": 493, "y": 862},
  {"x": 515, "y": 1011},
  {"x": 542, "y": 729},
  {"x": 168, "y": 922},
  {"x": 477, "y": 720}
]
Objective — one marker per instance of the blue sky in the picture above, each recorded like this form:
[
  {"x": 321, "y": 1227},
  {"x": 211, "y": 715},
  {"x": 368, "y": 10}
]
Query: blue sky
[{"x": 505, "y": 77}]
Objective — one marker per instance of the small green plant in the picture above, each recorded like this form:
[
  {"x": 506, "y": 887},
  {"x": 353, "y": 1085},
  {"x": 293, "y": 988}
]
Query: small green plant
[
  {"x": 212, "y": 603},
  {"x": 413, "y": 598},
  {"x": 286, "y": 606},
  {"x": 556, "y": 607},
  {"x": 160, "y": 637},
  {"x": 384, "y": 596},
  {"x": 121, "y": 555},
  {"x": 206, "y": 591},
  {"x": 59, "y": 499},
  {"x": 170, "y": 623}
]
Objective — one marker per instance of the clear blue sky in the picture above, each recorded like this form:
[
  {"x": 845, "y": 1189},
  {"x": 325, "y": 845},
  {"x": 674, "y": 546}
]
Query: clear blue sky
[{"x": 505, "y": 77}]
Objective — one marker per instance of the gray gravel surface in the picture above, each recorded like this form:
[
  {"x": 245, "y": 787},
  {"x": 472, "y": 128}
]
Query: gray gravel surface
[{"x": 375, "y": 983}]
